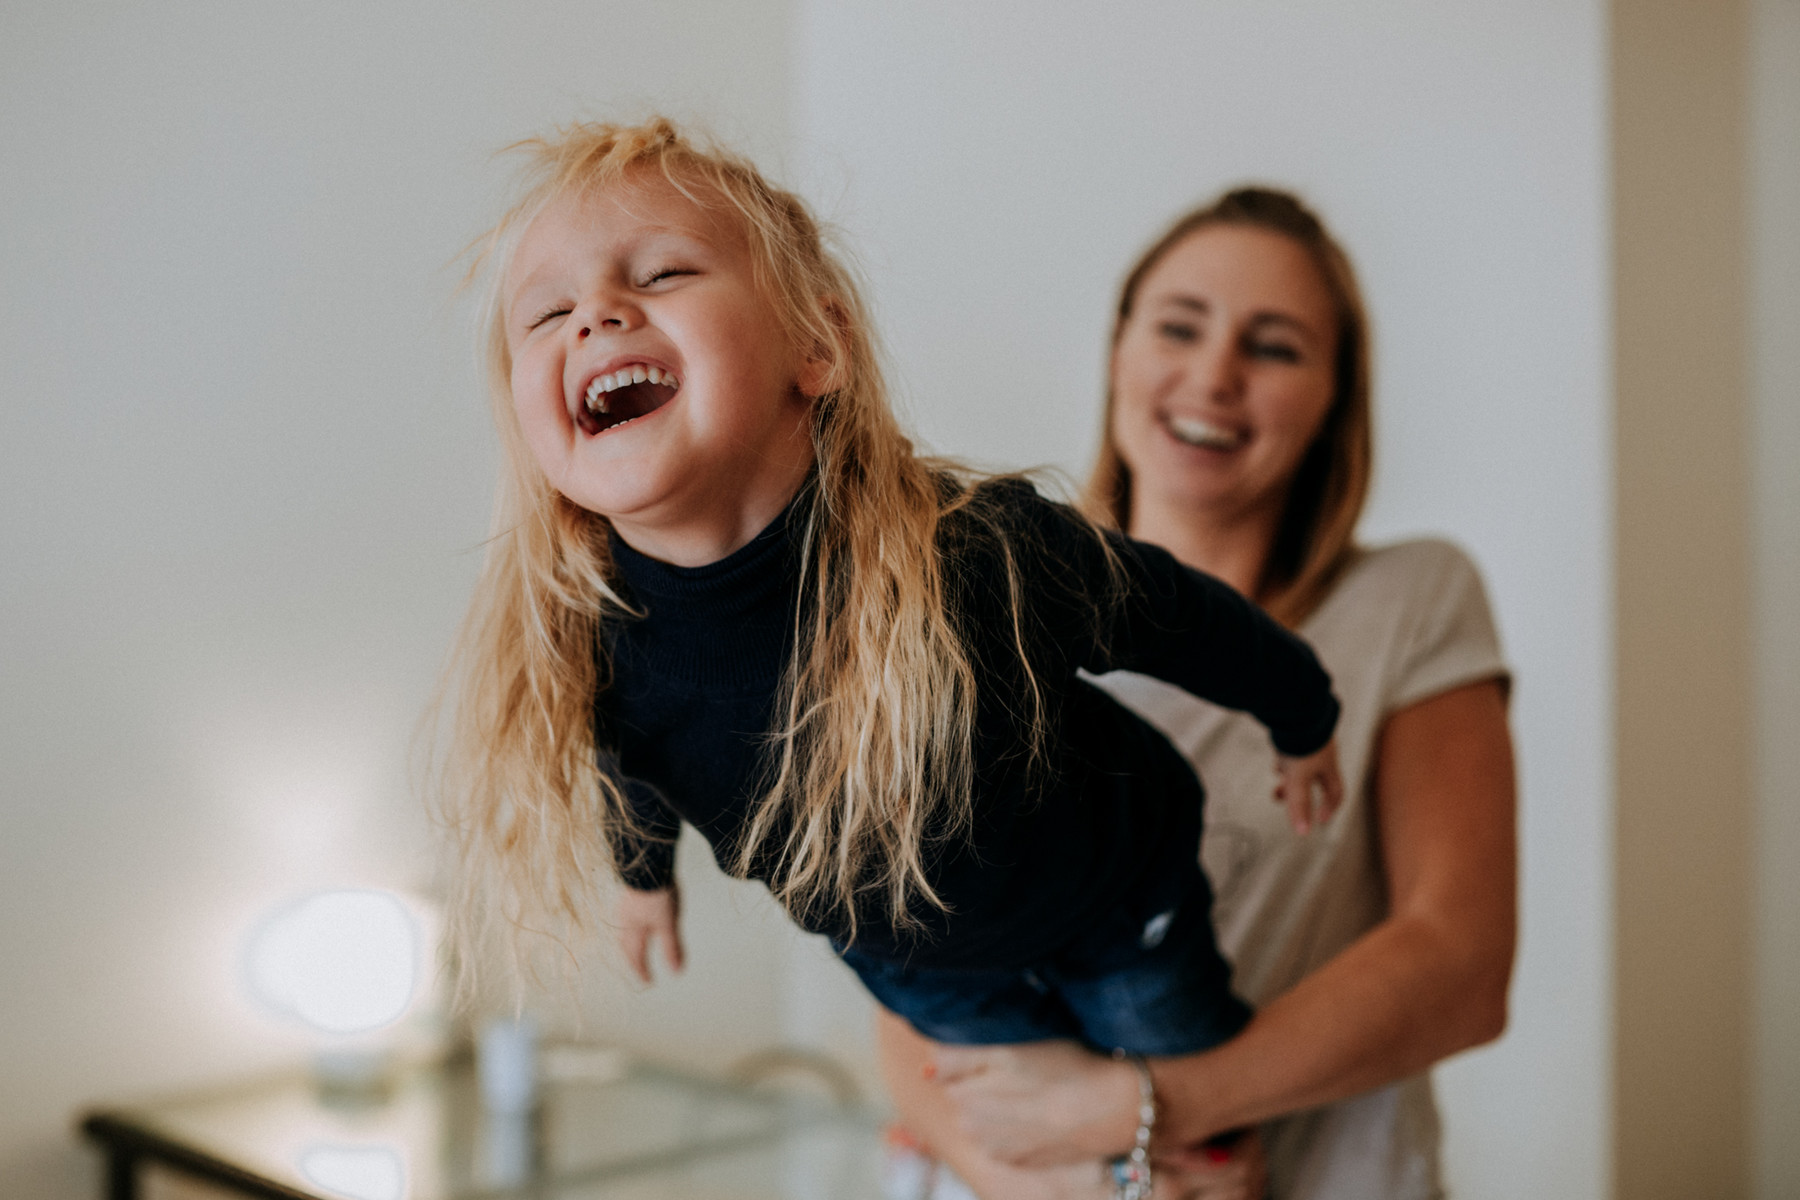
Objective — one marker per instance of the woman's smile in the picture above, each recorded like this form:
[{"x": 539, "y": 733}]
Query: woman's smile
[{"x": 1202, "y": 434}]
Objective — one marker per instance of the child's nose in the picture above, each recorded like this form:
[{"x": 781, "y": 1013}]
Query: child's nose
[{"x": 607, "y": 314}]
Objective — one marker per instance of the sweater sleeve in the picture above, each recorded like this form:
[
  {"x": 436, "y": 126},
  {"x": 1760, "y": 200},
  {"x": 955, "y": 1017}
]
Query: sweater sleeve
[
  {"x": 1146, "y": 612},
  {"x": 1189, "y": 629},
  {"x": 645, "y": 855}
]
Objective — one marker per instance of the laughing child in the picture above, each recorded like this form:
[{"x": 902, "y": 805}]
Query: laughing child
[{"x": 724, "y": 589}]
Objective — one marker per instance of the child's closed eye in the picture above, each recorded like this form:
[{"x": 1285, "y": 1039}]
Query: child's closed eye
[
  {"x": 665, "y": 273},
  {"x": 548, "y": 315}
]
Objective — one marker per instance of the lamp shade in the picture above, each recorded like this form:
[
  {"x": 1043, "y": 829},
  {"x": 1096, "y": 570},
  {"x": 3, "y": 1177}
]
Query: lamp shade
[{"x": 341, "y": 961}]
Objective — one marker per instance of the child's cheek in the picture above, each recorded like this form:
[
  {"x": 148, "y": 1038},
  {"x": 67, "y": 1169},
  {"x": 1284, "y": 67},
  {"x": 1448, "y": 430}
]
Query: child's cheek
[{"x": 538, "y": 406}]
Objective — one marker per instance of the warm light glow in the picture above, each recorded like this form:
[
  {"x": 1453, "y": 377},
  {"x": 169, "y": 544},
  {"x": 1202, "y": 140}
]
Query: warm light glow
[
  {"x": 356, "y": 1172},
  {"x": 341, "y": 962}
]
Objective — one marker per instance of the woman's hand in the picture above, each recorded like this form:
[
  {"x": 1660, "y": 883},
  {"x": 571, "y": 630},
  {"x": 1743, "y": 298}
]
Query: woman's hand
[
  {"x": 1053, "y": 1108},
  {"x": 650, "y": 915},
  {"x": 1223, "y": 1169},
  {"x": 1311, "y": 788},
  {"x": 914, "y": 1068},
  {"x": 1039, "y": 1104}
]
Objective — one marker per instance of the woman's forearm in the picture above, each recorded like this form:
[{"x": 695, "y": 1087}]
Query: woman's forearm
[
  {"x": 1428, "y": 981},
  {"x": 1424, "y": 984},
  {"x": 1391, "y": 1005}
]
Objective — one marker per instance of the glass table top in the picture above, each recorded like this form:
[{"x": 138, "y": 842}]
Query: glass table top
[{"x": 632, "y": 1130}]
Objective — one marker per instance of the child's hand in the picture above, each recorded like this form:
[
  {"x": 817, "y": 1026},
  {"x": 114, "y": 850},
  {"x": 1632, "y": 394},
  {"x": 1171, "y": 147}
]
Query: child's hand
[
  {"x": 646, "y": 915},
  {"x": 1310, "y": 787}
]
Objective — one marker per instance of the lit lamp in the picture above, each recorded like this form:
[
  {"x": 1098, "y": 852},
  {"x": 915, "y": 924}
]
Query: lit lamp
[{"x": 346, "y": 964}]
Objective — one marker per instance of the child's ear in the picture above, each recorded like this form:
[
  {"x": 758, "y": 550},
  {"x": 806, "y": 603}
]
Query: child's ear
[
  {"x": 813, "y": 377},
  {"x": 823, "y": 366}
]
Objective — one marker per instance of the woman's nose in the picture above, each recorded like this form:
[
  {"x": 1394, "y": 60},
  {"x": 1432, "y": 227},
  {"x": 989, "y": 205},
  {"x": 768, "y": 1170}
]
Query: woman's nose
[{"x": 1219, "y": 371}]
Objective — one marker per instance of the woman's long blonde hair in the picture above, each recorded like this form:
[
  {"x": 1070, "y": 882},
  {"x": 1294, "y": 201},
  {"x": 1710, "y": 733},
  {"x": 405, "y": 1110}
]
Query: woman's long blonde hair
[
  {"x": 871, "y": 758},
  {"x": 1317, "y": 531}
]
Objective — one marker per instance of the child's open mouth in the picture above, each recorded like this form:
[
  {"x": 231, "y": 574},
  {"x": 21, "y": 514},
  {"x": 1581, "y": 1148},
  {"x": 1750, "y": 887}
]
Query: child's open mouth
[{"x": 625, "y": 395}]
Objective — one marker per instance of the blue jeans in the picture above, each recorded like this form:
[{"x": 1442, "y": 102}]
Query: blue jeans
[{"x": 1148, "y": 979}]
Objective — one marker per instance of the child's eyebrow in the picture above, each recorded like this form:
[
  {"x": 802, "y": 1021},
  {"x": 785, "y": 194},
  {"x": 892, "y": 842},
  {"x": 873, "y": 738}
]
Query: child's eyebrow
[
  {"x": 681, "y": 232},
  {"x": 524, "y": 288}
]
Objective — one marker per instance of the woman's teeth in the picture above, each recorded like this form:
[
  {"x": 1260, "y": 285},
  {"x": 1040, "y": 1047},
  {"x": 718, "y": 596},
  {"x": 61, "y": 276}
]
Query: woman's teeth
[
  {"x": 624, "y": 376},
  {"x": 1196, "y": 432}
]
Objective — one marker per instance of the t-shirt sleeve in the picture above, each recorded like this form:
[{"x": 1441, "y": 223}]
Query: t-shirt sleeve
[
  {"x": 1138, "y": 609},
  {"x": 1451, "y": 640}
]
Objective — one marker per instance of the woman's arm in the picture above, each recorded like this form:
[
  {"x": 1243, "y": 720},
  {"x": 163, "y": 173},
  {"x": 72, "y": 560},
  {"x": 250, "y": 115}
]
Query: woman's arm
[{"x": 1426, "y": 982}]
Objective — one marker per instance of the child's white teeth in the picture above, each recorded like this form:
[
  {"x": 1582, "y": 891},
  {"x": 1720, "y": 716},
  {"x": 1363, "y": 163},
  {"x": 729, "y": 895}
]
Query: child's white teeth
[
  {"x": 624, "y": 376},
  {"x": 1196, "y": 432}
]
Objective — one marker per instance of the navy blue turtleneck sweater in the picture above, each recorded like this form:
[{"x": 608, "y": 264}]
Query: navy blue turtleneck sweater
[{"x": 694, "y": 682}]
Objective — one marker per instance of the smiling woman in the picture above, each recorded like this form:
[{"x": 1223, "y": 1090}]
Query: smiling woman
[{"x": 1237, "y": 436}]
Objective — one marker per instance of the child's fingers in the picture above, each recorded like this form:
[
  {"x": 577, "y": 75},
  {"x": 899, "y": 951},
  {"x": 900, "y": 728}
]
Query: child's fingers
[
  {"x": 1310, "y": 788},
  {"x": 634, "y": 942},
  {"x": 1296, "y": 795},
  {"x": 674, "y": 953},
  {"x": 1331, "y": 794}
]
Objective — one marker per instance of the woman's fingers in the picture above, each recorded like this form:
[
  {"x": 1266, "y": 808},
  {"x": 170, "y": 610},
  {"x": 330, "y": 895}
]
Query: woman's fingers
[
  {"x": 952, "y": 1064},
  {"x": 1226, "y": 1168},
  {"x": 1041, "y": 1103}
]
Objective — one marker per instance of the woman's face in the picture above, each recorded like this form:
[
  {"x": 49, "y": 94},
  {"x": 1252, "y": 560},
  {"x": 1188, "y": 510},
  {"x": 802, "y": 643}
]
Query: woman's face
[{"x": 1223, "y": 373}]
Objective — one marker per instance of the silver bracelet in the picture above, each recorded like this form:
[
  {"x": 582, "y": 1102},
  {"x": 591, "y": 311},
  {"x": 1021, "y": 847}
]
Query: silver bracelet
[{"x": 1131, "y": 1172}]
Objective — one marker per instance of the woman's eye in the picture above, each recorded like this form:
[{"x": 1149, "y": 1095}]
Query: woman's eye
[
  {"x": 1275, "y": 351},
  {"x": 1178, "y": 331}
]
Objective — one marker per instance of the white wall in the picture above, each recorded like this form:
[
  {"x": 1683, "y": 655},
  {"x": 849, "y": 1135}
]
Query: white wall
[
  {"x": 1775, "y": 441},
  {"x": 1000, "y": 164},
  {"x": 244, "y": 471}
]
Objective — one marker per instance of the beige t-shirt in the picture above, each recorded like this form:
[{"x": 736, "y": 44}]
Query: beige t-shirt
[{"x": 1406, "y": 622}]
